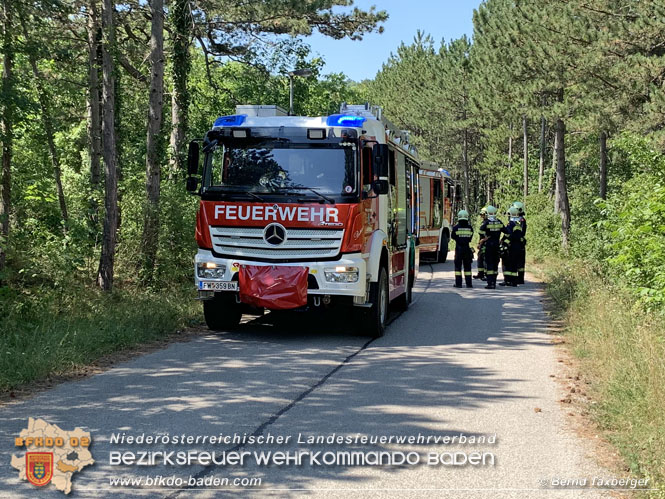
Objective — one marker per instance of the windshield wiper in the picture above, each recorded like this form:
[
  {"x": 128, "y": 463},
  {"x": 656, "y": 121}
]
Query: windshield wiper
[
  {"x": 301, "y": 187},
  {"x": 238, "y": 191}
]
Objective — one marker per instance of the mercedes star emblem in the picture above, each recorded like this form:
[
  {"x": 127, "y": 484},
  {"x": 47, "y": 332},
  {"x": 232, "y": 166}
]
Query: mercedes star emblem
[{"x": 274, "y": 234}]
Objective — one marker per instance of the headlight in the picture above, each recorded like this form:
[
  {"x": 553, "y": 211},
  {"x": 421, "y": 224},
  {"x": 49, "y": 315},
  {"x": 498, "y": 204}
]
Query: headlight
[
  {"x": 210, "y": 270},
  {"x": 341, "y": 274}
]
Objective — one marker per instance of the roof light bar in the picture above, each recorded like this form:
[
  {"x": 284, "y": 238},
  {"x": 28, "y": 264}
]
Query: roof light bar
[
  {"x": 345, "y": 120},
  {"x": 232, "y": 120}
]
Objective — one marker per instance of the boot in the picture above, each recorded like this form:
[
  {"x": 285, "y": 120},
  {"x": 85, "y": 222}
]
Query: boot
[{"x": 469, "y": 282}]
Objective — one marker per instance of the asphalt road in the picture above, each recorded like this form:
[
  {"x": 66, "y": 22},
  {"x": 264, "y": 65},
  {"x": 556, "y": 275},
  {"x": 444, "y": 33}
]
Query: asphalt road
[{"x": 459, "y": 361}]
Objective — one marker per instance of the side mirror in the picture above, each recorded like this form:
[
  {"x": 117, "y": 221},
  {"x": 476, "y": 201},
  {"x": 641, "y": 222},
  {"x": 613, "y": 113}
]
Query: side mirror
[
  {"x": 380, "y": 160},
  {"x": 192, "y": 184},
  {"x": 192, "y": 159},
  {"x": 381, "y": 187}
]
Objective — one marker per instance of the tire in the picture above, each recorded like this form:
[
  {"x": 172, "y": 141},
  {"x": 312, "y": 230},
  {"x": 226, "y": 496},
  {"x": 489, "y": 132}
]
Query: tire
[
  {"x": 442, "y": 254},
  {"x": 222, "y": 312},
  {"x": 374, "y": 319}
]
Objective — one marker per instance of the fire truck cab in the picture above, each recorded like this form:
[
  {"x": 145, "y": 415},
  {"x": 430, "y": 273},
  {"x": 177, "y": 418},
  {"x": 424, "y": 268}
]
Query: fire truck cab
[
  {"x": 437, "y": 195},
  {"x": 300, "y": 212}
]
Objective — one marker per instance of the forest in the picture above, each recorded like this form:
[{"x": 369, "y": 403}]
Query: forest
[{"x": 557, "y": 103}]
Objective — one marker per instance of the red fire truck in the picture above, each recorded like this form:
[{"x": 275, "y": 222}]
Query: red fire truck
[
  {"x": 437, "y": 197},
  {"x": 302, "y": 212}
]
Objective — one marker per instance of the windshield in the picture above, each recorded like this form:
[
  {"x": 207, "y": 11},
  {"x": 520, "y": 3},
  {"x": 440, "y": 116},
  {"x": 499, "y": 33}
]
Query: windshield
[{"x": 279, "y": 166}]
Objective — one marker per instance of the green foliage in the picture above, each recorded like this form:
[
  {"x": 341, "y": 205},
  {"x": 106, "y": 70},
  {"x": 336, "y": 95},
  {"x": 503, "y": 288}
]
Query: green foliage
[
  {"x": 621, "y": 349},
  {"x": 544, "y": 226},
  {"x": 636, "y": 221},
  {"x": 47, "y": 331}
]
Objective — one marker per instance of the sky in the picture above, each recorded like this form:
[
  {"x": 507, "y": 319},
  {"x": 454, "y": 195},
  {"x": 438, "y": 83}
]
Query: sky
[{"x": 359, "y": 60}]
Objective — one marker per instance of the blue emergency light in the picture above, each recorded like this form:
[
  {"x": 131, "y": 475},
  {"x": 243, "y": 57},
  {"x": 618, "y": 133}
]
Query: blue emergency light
[
  {"x": 233, "y": 120},
  {"x": 345, "y": 120}
]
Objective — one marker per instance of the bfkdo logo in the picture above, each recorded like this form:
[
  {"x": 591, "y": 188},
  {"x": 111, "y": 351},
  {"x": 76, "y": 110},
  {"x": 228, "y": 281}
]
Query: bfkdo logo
[
  {"x": 39, "y": 467},
  {"x": 52, "y": 455}
]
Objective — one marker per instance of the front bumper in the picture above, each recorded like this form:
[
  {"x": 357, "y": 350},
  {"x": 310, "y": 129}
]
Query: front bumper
[{"x": 316, "y": 271}]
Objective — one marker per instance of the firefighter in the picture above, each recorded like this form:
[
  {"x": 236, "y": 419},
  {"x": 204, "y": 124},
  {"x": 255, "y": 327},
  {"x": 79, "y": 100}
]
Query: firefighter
[
  {"x": 521, "y": 263},
  {"x": 481, "y": 248},
  {"x": 514, "y": 241},
  {"x": 492, "y": 228},
  {"x": 462, "y": 234}
]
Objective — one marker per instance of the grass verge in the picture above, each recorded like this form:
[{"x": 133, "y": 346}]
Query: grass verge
[
  {"x": 53, "y": 332},
  {"x": 621, "y": 347}
]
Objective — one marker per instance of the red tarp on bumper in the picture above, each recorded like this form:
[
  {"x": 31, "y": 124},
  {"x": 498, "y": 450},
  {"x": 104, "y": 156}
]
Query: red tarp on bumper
[{"x": 274, "y": 288}]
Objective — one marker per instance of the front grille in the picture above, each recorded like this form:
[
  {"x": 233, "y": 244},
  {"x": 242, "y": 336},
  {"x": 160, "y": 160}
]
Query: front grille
[{"x": 248, "y": 242}]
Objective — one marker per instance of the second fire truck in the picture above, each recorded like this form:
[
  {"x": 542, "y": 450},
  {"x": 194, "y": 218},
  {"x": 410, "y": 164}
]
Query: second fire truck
[{"x": 437, "y": 199}]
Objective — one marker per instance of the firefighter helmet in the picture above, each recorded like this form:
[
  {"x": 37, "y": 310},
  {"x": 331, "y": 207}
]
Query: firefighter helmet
[
  {"x": 462, "y": 215},
  {"x": 520, "y": 207},
  {"x": 514, "y": 211},
  {"x": 483, "y": 210},
  {"x": 491, "y": 210}
]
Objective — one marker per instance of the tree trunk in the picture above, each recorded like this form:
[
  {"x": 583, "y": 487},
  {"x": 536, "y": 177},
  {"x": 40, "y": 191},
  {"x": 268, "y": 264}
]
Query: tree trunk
[
  {"x": 510, "y": 147},
  {"x": 7, "y": 129},
  {"x": 94, "y": 119},
  {"x": 541, "y": 159},
  {"x": 526, "y": 155},
  {"x": 107, "y": 259},
  {"x": 182, "y": 22},
  {"x": 561, "y": 187},
  {"x": 554, "y": 186},
  {"x": 465, "y": 160},
  {"x": 510, "y": 155},
  {"x": 47, "y": 123},
  {"x": 153, "y": 167},
  {"x": 603, "y": 165}
]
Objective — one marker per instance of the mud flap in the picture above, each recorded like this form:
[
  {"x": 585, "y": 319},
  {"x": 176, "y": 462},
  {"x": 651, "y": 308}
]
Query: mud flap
[{"x": 274, "y": 288}]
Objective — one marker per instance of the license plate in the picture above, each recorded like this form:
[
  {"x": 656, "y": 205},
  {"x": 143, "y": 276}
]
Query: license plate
[{"x": 218, "y": 286}]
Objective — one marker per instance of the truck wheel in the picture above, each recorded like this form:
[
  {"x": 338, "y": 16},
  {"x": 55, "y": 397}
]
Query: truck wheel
[
  {"x": 374, "y": 323},
  {"x": 222, "y": 312},
  {"x": 442, "y": 254}
]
